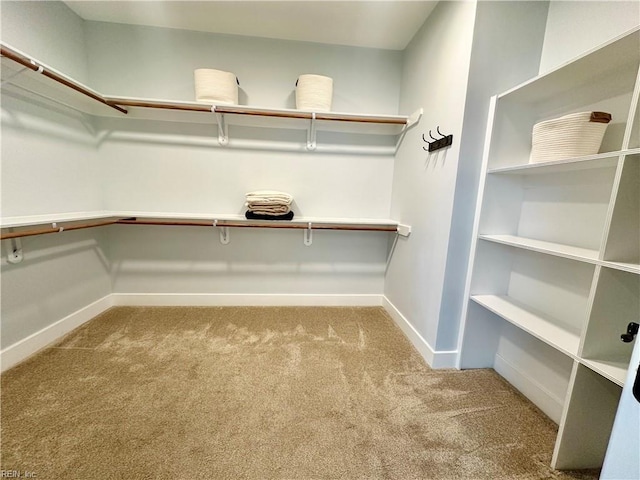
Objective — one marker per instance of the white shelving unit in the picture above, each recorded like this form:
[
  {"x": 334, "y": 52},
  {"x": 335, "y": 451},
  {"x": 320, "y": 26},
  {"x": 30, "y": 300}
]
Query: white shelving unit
[
  {"x": 27, "y": 74},
  {"x": 554, "y": 274}
]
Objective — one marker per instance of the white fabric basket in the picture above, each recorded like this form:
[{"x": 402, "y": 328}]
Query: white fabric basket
[
  {"x": 574, "y": 135},
  {"x": 314, "y": 93},
  {"x": 216, "y": 86}
]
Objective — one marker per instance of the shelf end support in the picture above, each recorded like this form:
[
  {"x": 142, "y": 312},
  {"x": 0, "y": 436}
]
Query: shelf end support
[
  {"x": 404, "y": 230},
  {"x": 223, "y": 129},
  {"x": 15, "y": 251},
  {"x": 311, "y": 133},
  {"x": 308, "y": 236}
]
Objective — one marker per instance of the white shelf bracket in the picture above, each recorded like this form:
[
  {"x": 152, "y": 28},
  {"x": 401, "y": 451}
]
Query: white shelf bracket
[
  {"x": 404, "y": 230},
  {"x": 223, "y": 129},
  {"x": 15, "y": 251},
  {"x": 413, "y": 120},
  {"x": 225, "y": 236},
  {"x": 311, "y": 133},
  {"x": 308, "y": 235}
]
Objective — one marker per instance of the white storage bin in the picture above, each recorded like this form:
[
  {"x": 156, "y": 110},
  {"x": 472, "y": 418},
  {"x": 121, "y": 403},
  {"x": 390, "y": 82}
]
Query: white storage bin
[
  {"x": 314, "y": 93},
  {"x": 574, "y": 135},
  {"x": 216, "y": 86}
]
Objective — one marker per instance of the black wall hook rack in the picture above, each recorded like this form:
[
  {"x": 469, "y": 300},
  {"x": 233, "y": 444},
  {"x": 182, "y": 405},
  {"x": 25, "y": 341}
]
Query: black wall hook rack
[{"x": 438, "y": 143}]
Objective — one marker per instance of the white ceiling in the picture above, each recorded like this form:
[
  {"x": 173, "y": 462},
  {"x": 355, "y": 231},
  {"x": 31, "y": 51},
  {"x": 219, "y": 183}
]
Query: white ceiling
[{"x": 386, "y": 24}]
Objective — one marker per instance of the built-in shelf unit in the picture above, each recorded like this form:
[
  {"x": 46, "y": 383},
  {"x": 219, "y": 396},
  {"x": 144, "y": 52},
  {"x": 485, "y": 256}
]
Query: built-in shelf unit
[{"x": 554, "y": 274}]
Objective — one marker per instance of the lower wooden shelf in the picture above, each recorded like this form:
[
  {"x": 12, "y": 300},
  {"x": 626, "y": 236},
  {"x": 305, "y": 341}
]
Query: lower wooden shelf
[{"x": 16, "y": 227}]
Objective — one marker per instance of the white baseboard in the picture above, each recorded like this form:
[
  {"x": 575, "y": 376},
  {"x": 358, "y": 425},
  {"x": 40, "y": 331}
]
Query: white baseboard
[
  {"x": 26, "y": 347},
  {"x": 541, "y": 397},
  {"x": 244, "y": 300},
  {"x": 435, "y": 359},
  {"x": 19, "y": 351}
]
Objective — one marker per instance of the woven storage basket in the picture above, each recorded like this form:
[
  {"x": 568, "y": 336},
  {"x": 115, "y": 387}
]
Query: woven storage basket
[
  {"x": 314, "y": 92},
  {"x": 216, "y": 86},
  {"x": 574, "y": 135}
]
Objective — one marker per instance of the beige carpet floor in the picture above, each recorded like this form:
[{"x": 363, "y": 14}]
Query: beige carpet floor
[{"x": 262, "y": 393}]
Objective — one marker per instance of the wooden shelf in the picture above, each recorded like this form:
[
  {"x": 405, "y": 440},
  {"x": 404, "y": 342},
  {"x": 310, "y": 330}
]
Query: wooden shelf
[
  {"x": 550, "y": 248},
  {"x": 26, "y": 74},
  {"x": 531, "y": 321},
  {"x": 14, "y": 227}
]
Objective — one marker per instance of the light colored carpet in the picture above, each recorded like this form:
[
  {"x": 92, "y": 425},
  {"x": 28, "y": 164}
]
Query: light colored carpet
[{"x": 262, "y": 393}]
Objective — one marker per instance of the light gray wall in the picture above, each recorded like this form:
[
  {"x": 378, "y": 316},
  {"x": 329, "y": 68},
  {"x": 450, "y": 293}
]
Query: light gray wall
[
  {"x": 49, "y": 165},
  {"x": 507, "y": 43},
  {"x": 47, "y": 30},
  {"x": 158, "y": 62},
  {"x": 435, "y": 71},
  {"x": 60, "y": 274},
  {"x": 574, "y": 27},
  {"x": 145, "y": 172}
]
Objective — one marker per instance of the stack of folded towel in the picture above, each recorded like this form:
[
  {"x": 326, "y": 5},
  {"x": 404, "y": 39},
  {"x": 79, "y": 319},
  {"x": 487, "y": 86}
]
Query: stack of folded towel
[{"x": 268, "y": 205}]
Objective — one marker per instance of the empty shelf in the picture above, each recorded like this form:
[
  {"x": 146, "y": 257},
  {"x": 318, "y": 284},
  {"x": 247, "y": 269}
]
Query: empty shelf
[
  {"x": 531, "y": 321},
  {"x": 612, "y": 369},
  {"x": 541, "y": 246},
  {"x": 601, "y": 160}
]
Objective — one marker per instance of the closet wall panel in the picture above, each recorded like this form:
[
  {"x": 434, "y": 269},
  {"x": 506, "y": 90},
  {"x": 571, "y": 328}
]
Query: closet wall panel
[
  {"x": 49, "y": 165},
  {"x": 169, "y": 167}
]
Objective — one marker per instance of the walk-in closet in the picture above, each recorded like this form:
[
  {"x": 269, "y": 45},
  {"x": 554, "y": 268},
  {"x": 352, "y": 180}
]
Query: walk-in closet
[{"x": 290, "y": 239}]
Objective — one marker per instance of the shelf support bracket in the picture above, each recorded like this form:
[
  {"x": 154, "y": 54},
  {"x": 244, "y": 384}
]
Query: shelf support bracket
[
  {"x": 308, "y": 235},
  {"x": 225, "y": 236},
  {"x": 404, "y": 230},
  {"x": 15, "y": 251},
  {"x": 223, "y": 129},
  {"x": 413, "y": 120},
  {"x": 311, "y": 133}
]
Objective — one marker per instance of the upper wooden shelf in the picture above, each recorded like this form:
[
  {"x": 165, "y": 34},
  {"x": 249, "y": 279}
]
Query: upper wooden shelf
[{"x": 26, "y": 73}]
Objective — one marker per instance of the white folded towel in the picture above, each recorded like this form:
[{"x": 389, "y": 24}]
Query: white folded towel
[
  {"x": 274, "y": 210},
  {"x": 268, "y": 197}
]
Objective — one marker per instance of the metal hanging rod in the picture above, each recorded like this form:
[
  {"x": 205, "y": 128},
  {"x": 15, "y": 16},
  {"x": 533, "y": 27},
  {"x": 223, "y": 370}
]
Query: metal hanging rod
[
  {"x": 259, "y": 112},
  {"x": 36, "y": 67},
  {"x": 260, "y": 224},
  {"x": 57, "y": 227}
]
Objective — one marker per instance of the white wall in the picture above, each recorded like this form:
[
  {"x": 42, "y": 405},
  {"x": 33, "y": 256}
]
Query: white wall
[
  {"x": 507, "y": 42},
  {"x": 49, "y": 165},
  {"x": 435, "y": 71},
  {"x": 49, "y": 31},
  {"x": 175, "y": 167},
  {"x": 60, "y": 274},
  {"x": 574, "y": 27},
  {"x": 157, "y": 62}
]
